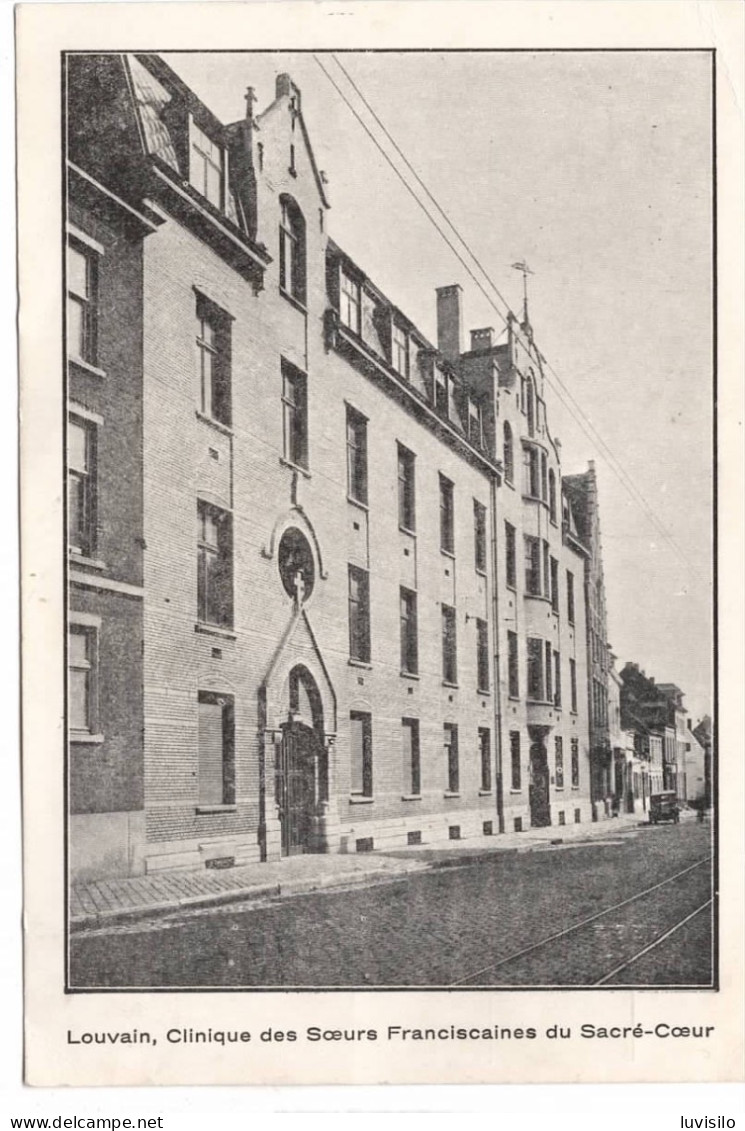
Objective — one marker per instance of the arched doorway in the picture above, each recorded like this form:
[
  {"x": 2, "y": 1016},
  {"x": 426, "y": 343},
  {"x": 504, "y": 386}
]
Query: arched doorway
[
  {"x": 302, "y": 766},
  {"x": 540, "y": 807}
]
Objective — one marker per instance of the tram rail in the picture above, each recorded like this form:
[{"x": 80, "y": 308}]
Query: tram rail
[{"x": 558, "y": 936}]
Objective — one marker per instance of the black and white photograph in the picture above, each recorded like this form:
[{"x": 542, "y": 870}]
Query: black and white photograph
[{"x": 391, "y": 504}]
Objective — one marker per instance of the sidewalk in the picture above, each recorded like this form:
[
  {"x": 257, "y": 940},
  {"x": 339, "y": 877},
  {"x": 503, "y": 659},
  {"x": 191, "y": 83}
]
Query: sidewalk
[{"x": 100, "y": 902}]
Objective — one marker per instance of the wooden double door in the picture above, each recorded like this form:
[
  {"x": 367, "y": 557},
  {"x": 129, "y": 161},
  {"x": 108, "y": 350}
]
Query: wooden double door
[
  {"x": 298, "y": 787},
  {"x": 538, "y": 794}
]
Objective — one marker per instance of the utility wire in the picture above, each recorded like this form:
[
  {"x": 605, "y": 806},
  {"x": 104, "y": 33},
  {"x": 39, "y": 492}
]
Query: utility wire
[
  {"x": 578, "y": 413},
  {"x": 610, "y": 458}
]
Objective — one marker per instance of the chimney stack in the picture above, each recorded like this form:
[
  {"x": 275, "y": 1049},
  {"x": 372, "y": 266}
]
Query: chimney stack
[
  {"x": 482, "y": 339},
  {"x": 450, "y": 321}
]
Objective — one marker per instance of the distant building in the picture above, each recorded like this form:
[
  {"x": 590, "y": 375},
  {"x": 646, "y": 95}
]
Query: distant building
[
  {"x": 582, "y": 494},
  {"x": 704, "y": 733},
  {"x": 678, "y": 717},
  {"x": 696, "y": 769}
]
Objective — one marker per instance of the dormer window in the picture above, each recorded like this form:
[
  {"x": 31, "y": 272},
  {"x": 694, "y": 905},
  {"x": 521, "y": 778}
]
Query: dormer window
[
  {"x": 292, "y": 250},
  {"x": 349, "y": 302},
  {"x": 400, "y": 350},
  {"x": 207, "y": 166},
  {"x": 441, "y": 392},
  {"x": 474, "y": 424}
]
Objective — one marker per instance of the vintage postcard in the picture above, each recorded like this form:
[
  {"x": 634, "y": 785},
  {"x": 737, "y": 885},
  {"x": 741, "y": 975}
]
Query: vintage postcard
[{"x": 379, "y": 382}]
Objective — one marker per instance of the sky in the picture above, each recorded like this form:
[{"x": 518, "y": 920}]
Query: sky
[{"x": 595, "y": 167}]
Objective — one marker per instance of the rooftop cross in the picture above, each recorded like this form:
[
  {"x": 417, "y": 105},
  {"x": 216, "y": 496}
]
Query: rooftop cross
[{"x": 524, "y": 270}]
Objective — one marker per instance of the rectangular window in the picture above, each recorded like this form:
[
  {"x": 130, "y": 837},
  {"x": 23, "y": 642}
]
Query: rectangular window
[
  {"x": 292, "y": 274},
  {"x": 213, "y": 332},
  {"x": 82, "y": 663},
  {"x": 570, "y": 597},
  {"x": 449, "y": 646},
  {"x": 216, "y": 740},
  {"x": 575, "y": 763},
  {"x": 535, "y": 669},
  {"x": 532, "y": 566},
  {"x": 214, "y": 565},
  {"x": 549, "y": 673},
  {"x": 544, "y": 477},
  {"x": 510, "y": 555},
  {"x": 412, "y": 769},
  {"x": 295, "y": 415},
  {"x": 559, "y": 761},
  {"x": 447, "y": 516},
  {"x": 557, "y": 679},
  {"x": 573, "y": 684},
  {"x": 450, "y": 747},
  {"x": 482, "y": 655},
  {"x": 81, "y": 486},
  {"x": 530, "y": 472},
  {"x": 474, "y": 424},
  {"x": 356, "y": 456},
  {"x": 359, "y": 614},
  {"x": 349, "y": 302},
  {"x": 207, "y": 166},
  {"x": 479, "y": 536},
  {"x": 441, "y": 391},
  {"x": 513, "y": 676},
  {"x": 409, "y": 639},
  {"x": 485, "y": 758},
  {"x": 361, "y": 753},
  {"x": 515, "y": 772},
  {"x": 400, "y": 350},
  {"x": 82, "y": 302},
  {"x": 554, "y": 585},
  {"x": 406, "y": 489},
  {"x": 546, "y": 571}
]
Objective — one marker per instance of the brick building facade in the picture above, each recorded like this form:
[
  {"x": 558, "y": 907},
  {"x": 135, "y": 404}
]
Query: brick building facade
[{"x": 327, "y": 589}]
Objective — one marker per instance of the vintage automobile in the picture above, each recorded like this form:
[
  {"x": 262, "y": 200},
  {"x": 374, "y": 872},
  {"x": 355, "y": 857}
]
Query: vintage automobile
[{"x": 664, "y": 807}]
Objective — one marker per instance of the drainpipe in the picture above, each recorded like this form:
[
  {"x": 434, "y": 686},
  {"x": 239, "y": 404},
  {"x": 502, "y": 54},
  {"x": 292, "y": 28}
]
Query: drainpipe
[{"x": 497, "y": 680}]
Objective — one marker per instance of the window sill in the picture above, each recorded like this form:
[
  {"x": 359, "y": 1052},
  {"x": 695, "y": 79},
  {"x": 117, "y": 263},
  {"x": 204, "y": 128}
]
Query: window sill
[
  {"x": 516, "y": 791},
  {"x": 407, "y": 530},
  {"x": 509, "y": 483},
  {"x": 293, "y": 301},
  {"x": 364, "y": 664},
  {"x": 483, "y": 691},
  {"x": 215, "y": 630},
  {"x": 84, "y": 739},
  {"x": 540, "y": 703},
  {"x": 481, "y": 572},
  {"x": 358, "y": 503},
  {"x": 86, "y": 367},
  {"x": 447, "y": 683},
  {"x": 360, "y": 799},
  {"x": 216, "y": 809},
  {"x": 537, "y": 597},
  {"x": 447, "y": 553},
  {"x": 486, "y": 792},
  {"x": 514, "y": 698},
  {"x": 87, "y": 563},
  {"x": 409, "y": 675},
  {"x": 451, "y": 793},
  {"x": 295, "y": 467},
  {"x": 216, "y": 424},
  {"x": 411, "y": 797},
  {"x": 575, "y": 788},
  {"x": 512, "y": 588}
]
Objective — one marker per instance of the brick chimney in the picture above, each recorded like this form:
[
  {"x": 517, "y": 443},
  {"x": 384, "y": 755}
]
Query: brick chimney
[
  {"x": 482, "y": 339},
  {"x": 450, "y": 321}
]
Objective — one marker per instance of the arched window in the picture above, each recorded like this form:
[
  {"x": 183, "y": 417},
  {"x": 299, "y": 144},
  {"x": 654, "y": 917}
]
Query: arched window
[
  {"x": 509, "y": 455},
  {"x": 292, "y": 250},
  {"x": 552, "y": 495}
]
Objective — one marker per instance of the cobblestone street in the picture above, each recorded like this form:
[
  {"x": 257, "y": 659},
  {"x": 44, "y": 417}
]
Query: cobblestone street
[{"x": 458, "y": 925}]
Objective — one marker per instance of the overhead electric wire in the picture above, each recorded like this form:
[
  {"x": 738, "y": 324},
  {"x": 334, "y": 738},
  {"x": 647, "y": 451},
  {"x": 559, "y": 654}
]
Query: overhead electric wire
[{"x": 577, "y": 412}]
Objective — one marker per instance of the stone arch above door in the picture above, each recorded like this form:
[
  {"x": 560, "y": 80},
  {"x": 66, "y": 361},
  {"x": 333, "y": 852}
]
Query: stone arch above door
[{"x": 297, "y": 650}]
